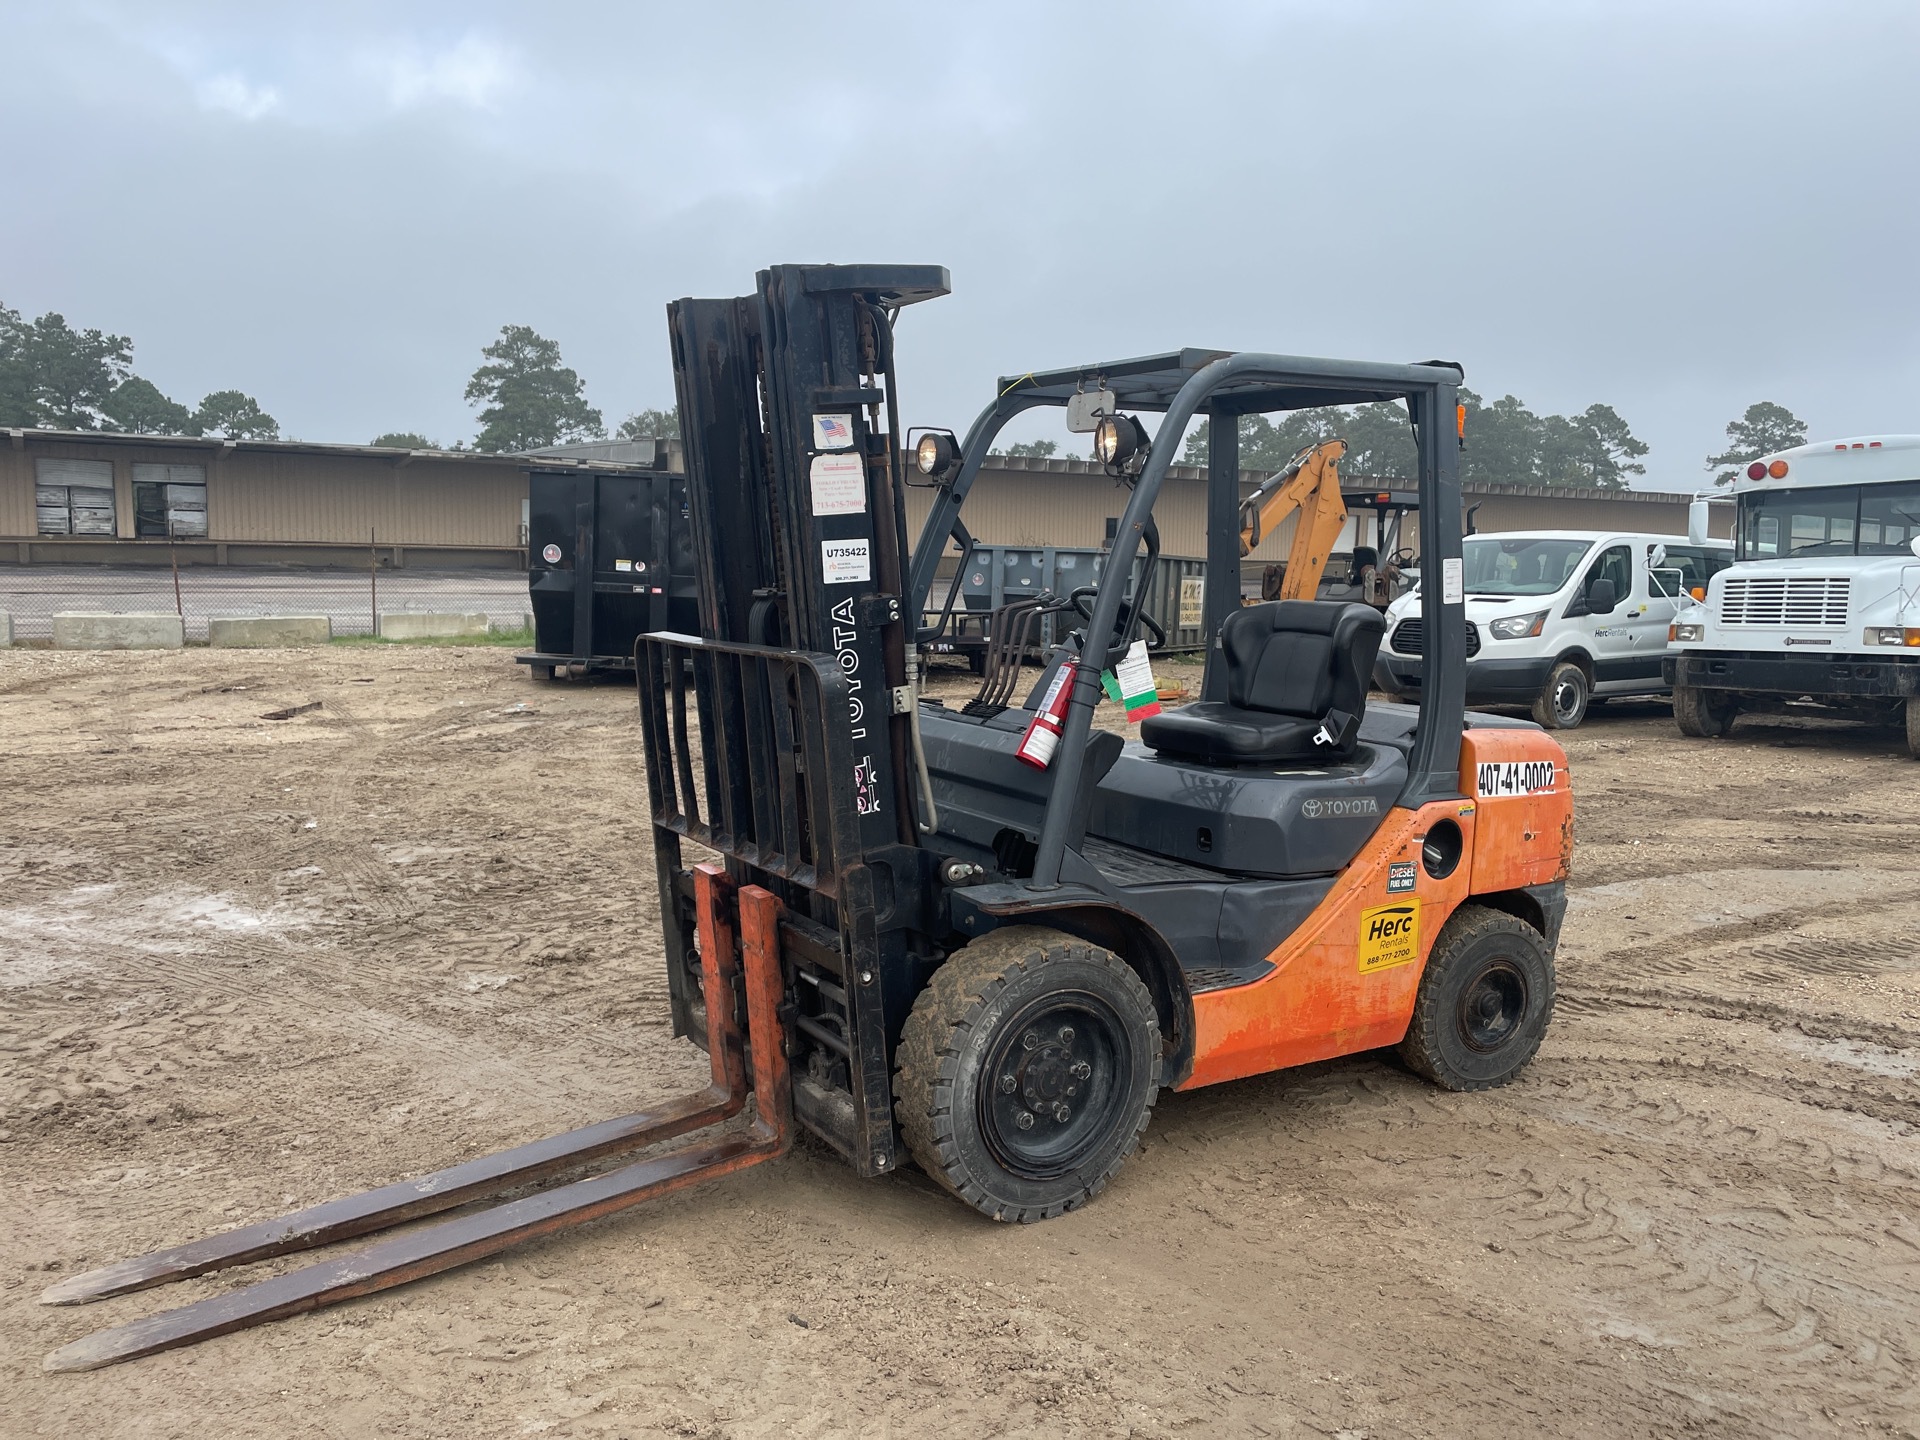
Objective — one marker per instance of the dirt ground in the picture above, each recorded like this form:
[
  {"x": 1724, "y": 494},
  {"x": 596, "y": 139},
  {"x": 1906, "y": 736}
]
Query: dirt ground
[{"x": 247, "y": 965}]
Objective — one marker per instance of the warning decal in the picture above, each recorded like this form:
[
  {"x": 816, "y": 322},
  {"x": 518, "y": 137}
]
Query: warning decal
[{"x": 1389, "y": 936}]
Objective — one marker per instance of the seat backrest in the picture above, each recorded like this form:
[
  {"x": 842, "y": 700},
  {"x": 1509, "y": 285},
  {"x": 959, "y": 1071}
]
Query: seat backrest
[{"x": 1303, "y": 658}]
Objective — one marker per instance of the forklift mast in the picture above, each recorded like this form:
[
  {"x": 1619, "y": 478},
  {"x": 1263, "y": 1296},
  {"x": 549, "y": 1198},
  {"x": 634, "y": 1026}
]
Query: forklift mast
[{"x": 789, "y": 417}]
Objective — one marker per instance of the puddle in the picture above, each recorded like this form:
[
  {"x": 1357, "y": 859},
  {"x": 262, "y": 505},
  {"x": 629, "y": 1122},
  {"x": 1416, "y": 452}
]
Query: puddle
[{"x": 1855, "y": 1054}]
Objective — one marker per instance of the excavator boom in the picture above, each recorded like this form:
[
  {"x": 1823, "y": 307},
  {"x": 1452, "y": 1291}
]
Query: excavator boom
[{"x": 1309, "y": 484}]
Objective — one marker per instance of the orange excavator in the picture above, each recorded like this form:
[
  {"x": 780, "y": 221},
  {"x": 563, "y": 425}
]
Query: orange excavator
[{"x": 1310, "y": 484}]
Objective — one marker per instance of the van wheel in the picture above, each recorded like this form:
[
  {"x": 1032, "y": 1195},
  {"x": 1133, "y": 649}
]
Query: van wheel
[
  {"x": 1484, "y": 1001},
  {"x": 1913, "y": 726},
  {"x": 1563, "y": 700},
  {"x": 1027, "y": 1071},
  {"x": 1709, "y": 714}
]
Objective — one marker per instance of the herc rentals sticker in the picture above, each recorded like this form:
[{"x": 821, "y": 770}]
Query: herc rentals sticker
[
  {"x": 1389, "y": 936},
  {"x": 1514, "y": 777}
]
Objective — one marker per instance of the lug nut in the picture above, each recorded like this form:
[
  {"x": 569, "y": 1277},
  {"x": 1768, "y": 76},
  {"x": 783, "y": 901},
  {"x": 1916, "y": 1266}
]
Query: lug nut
[
  {"x": 1030, "y": 1040},
  {"x": 1062, "y": 1113},
  {"x": 1007, "y": 1084},
  {"x": 1080, "y": 1070},
  {"x": 1024, "y": 1120},
  {"x": 1066, "y": 1034}
]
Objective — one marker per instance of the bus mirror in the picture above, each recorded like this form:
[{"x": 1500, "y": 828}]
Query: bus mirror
[
  {"x": 1602, "y": 598},
  {"x": 1697, "y": 523},
  {"x": 1657, "y": 557}
]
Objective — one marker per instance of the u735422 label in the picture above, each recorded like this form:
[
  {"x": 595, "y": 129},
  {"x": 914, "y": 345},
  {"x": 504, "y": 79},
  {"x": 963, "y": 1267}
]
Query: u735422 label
[{"x": 1514, "y": 777}]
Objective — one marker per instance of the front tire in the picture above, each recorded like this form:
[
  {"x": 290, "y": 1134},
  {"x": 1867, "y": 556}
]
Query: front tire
[
  {"x": 1027, "y": 1072},
  {"x": 1484, "y": 1001},
  {"x": 1913, "y": 726},
  {"x": 1562, "y": 702},
  {"x": 1708, "y": 714}
]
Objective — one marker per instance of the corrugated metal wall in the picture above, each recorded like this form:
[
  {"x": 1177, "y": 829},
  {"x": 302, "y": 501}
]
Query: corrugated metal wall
[
  {"x": 261, "y": 495},
  {"x": 1043, "y": 502},
  {"x": 286, "y": 496}
]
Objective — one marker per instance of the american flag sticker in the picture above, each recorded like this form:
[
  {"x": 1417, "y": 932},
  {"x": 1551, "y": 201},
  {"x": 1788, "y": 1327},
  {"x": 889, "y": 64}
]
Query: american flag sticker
[{"x": 833, "y": 432}]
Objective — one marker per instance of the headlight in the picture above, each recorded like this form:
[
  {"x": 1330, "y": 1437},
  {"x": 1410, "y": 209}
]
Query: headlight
[
  {"x": 935, "y": 452},
  {"x": 1686, "y": 634},
  {"x": 1117, "y": 439},
  {"x": 1892, "y": 635},
  {"x": 1518, "y": 627}
]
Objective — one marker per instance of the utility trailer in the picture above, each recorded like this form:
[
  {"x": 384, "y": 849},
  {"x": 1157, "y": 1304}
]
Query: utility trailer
[
  {"x": 891, "y": 931},
  {"x": 610, "y": 557}
]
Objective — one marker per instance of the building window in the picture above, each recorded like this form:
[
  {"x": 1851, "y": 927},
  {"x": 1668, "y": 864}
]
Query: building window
[
  {"x": 74, "y": 497},
  {"x": 170, "y": 502}
]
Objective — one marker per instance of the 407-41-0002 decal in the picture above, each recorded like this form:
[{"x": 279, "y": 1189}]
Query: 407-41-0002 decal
[{"x": 1515, "y": 777}]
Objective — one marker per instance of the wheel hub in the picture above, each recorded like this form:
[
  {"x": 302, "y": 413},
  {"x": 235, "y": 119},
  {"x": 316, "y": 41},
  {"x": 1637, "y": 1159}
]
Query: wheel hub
[
  {"x": 1493, "y": 1006},
  {"x": 1053, "y": 1085}
]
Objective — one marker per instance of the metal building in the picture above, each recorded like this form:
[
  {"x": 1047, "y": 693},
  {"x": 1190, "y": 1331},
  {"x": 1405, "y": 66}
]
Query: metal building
[{"x": 77, "y": 497}]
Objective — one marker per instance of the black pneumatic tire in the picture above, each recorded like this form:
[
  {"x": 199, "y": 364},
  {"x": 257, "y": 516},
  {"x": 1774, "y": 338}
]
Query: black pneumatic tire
[
  {"x": 1027, "y": 1021},
  {"x": 1706, "y": 715},
  {"x": 1913, "y": 726},
  {"x": 1484, "y": 1002},
  {"x": 1562, "y": 702}
]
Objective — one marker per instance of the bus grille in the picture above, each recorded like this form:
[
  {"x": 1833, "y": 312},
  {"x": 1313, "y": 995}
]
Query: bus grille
[{"x": 1794, "y": 600}]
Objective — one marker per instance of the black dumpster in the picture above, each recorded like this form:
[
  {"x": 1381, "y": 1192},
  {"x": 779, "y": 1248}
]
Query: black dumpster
[{"x": 610, "y": 558}]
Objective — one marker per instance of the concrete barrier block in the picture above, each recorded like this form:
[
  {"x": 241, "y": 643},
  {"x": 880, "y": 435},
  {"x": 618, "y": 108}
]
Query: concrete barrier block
[
  {"x": 429, "y": 625},
  {"x": 91, "y": 630},
  {"x": 6, "y": 629},
  {"x": 248, "y": 631}
]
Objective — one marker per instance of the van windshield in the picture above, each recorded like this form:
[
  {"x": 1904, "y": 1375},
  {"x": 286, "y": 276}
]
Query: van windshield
[{"x": 1517, "y": 565}]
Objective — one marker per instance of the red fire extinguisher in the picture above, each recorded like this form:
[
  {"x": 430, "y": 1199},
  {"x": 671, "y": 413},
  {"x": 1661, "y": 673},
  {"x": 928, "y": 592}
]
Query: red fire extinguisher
[{"x": 1043, "y": 735}]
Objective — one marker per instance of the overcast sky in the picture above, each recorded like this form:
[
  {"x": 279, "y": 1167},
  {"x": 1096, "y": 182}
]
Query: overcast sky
[{"x": 1674, "y": 208}]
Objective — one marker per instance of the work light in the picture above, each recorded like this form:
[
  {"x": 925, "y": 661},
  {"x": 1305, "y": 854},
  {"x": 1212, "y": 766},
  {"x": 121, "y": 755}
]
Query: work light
[
  {"x": 935, "y": 453},
  {"x": 1117, "y": 439}
]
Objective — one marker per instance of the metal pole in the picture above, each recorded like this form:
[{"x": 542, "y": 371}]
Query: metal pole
[
  {"x": 373, "y": 582},
  {"x": 173, "y": 554},
  {"x": 1223, "y": 542}
]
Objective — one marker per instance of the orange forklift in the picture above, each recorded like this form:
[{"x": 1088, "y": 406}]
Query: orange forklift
[{"x": 892, "y": 928}]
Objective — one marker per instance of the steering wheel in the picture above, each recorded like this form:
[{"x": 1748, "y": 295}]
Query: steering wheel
[
  {"x": 1401, "y": 558},
  {"x": 1082, "y": 602}
]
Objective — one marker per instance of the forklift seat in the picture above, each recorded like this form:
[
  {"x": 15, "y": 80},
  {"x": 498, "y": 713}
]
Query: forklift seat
[{"x": 1297, "y": 673}]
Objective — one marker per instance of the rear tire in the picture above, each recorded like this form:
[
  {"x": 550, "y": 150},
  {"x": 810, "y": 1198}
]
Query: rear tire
[
  {"x": 1484, "y": 1001},
  {"x": 1562, "y": 702},
  {"x": 1913, "y": 726},
  {"x": 1707, "y": 715},
  {"x": 1027, "y": 1072}
]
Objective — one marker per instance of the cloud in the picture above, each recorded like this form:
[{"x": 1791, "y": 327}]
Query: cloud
[
  {"x": 233, "y": 94},
  {"x": 474, "y": 72}
]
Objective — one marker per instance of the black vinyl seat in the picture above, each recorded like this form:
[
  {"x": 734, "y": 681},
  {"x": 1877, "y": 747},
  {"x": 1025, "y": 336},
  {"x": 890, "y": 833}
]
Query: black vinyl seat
[{"x": 1297, "y": 673}]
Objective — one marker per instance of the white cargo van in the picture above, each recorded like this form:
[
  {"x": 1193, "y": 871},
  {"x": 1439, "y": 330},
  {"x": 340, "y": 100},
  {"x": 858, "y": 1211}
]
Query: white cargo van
[{"x": 1557, "y": 619}]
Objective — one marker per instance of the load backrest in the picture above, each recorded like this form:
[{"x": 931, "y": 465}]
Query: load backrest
[{"x": 1304, "y": 658}]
